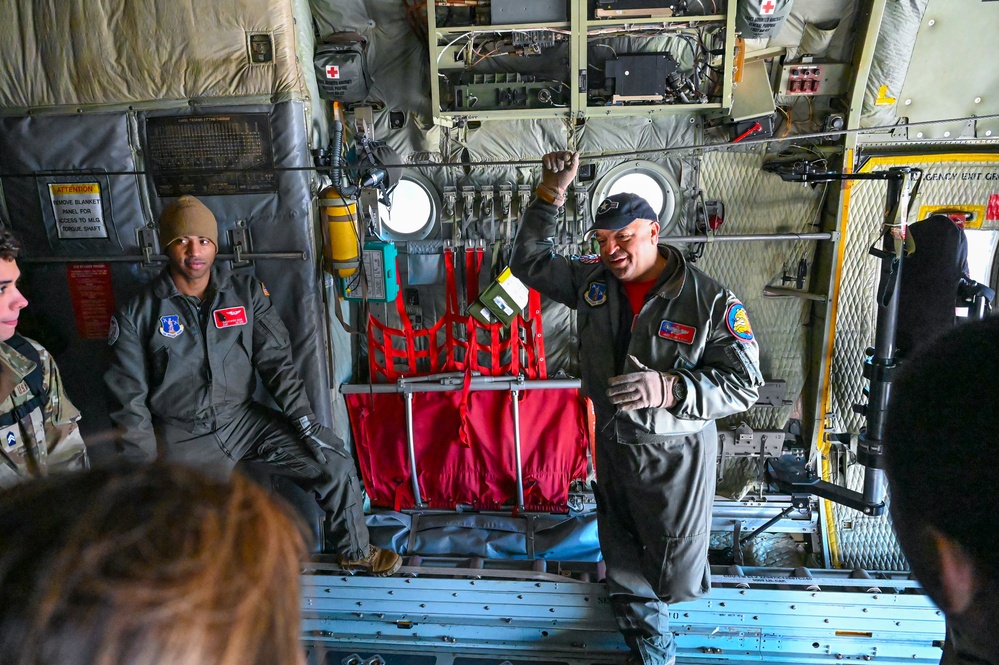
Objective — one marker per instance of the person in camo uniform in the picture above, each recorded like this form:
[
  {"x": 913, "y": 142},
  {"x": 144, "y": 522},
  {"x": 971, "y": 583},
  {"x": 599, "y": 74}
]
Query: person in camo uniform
[{"x": 38, "y": 430}]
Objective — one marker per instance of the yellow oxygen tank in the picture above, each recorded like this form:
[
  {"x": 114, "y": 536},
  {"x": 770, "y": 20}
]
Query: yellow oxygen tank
[{"x": 339, "y": 222}]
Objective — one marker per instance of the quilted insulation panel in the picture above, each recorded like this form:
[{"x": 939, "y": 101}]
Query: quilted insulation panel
[{"x": 757, "y": 202}]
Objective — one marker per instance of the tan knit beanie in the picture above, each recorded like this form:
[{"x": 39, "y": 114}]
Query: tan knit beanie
[{"x": 187, "y": 216}]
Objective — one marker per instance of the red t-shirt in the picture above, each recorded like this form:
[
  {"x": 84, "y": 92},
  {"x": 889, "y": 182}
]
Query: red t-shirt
[{"x": 636, "y": 292}]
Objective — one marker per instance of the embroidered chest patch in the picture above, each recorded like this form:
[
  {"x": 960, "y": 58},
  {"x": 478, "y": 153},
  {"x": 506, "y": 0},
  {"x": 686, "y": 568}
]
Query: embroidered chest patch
[
  {"x": 230, "y": 316},
  {"x": 170, "y": 326},
  {"x": 738, "y": 322},
  {"x": 596, "y": 294},
  {"x": 677, "y": 332}
]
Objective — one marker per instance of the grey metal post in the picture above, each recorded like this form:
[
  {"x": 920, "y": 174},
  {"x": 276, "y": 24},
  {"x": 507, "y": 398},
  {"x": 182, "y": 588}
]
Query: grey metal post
[
  {"x": 411, "y": 447},
  {"x": 515, "y": 393}
]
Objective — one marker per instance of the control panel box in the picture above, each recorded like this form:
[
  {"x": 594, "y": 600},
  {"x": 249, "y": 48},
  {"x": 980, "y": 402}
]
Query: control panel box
[
  {"x": 377, "y": 280},
  {"x": 813, "y": 79}
]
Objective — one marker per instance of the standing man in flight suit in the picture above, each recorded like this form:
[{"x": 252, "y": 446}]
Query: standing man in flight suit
[
  {"x": 38, "y": 430},
  {"x": 664, "y": 350},
  {"x": 185, "y": 353}
]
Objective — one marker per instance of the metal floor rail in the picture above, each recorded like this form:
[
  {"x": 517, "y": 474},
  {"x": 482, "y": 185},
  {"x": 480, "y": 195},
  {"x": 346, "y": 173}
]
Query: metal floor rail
[{"x": 491, "y": 612}]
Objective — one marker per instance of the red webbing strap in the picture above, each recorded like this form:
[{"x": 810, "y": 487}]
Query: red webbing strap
[
  {"x": 407, "y": 326},
  {"x": 399, "y": 500},
  {"x": 464, "y": 434},
  {"x": 534, "y": 338},
  {"x": 495, "y": 347},
  {"x": 451, "y": 315},
  {"x": 473, "y": 268}
]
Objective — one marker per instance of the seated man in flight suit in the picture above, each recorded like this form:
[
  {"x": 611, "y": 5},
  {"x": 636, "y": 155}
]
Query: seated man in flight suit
[
  {"x": 38, "y": 430},
  {"x": 664, "y": 350},
  {"x": 185, "y": 353}
]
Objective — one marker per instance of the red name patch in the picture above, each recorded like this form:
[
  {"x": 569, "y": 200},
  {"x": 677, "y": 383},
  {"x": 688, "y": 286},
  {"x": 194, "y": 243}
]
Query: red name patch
[
  {"x": 230, "y": 316},
  {"x": 677, "y": 332}
]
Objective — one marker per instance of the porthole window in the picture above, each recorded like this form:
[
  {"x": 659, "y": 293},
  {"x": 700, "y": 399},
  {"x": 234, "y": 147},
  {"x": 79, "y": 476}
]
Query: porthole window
[
  {"x": 647, "y": 179},
  {"x": 414, "y": 213}
]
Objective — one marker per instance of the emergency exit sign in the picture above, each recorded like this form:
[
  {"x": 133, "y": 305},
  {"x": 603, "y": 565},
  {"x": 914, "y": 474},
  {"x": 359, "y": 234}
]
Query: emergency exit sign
[{"x": 78, "y": 210}]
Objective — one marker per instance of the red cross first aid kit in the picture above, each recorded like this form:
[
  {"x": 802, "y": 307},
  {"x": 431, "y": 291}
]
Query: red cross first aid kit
[{"x": 341, "y": 70}]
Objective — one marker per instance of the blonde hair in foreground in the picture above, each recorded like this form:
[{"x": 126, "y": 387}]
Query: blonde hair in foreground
[{"x": 147, "y": 566}]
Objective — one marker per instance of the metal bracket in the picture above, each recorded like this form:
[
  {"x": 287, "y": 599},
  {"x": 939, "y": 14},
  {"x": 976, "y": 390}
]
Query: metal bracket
[
  {"x": 581, "y": 211},
  {"x": 467, "y": 210},
  {"x": 772, "y": 394},
  {"x": 450, "y": 201},
  {"x": 487, "y": 211},
  {"x": 368, "y": 203},
  {"x": 746, "y": 442},
  {"x": 146, "y": 238},
  {"x": 523, "y": 198},
  {"x": 506, "y": 209},
  {"x": 239, "y": 240},
  {"x": 364, "y": 122}
]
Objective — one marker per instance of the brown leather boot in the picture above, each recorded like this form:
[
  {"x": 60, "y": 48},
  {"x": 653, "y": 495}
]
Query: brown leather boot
[{"x": 379, "y": 562}]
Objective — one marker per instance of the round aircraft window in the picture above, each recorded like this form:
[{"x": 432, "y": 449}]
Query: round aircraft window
[
  {"x": 647, "y": 179},
  {"x": 415, "y": 210}
]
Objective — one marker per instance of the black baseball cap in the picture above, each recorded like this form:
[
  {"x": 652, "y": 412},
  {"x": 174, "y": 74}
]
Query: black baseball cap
[{"x": 617, "y": 211}]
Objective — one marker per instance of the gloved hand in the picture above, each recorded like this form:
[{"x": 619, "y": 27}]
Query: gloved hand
[
  {"x": 644, "y": 389},
  {"x": 316, "y": 438},
  {"x": 558, "y": 169}
]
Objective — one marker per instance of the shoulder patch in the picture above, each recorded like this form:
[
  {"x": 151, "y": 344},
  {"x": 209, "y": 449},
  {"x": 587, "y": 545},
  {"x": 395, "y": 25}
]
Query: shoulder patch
[
  {"x": 589, "y": 259},
  {"x": 738, "y": 322},
  {"x": 113, "y": 331},
  {"x": 596, "y": 294},
  {"x": 263, "y": 287}
]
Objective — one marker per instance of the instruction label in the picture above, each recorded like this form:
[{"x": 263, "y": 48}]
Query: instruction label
[
  {"x": 78, "y": 210},
  {"x": 92, "y": 297}
]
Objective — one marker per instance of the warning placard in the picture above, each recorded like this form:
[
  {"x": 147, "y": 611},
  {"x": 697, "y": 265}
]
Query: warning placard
[
  {"x": 92, "y": 297},
  {"x": 78, "y": 210}
]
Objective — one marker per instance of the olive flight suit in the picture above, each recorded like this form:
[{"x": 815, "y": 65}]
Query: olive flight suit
[
  {"x": 655, "y": 467},
  {"x": 183, "y": 374}
]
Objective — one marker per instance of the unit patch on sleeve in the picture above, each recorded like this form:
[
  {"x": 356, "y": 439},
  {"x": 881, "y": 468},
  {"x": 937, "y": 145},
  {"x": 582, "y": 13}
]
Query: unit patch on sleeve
[
  {"x": 230, "y": 316},
  {"x": 10, "y": 440},
  {"x": 263, "y": 287},
  {"x": 113, "y": 331},
  {"x": 738, "y": 322},
  {"x": 170, "y": 326},
  {"x": 596, "y": 294},
  {"x": 677, "y": 332}
]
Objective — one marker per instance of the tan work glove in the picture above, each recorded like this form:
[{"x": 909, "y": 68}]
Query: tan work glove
[
  {"x": 558, "y": 169},
  {"x": 644, "y": 389}
]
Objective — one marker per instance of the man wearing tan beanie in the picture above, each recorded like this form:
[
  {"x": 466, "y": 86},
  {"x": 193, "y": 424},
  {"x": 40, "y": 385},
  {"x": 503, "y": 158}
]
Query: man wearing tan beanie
[{"x": 185, "y": 355}]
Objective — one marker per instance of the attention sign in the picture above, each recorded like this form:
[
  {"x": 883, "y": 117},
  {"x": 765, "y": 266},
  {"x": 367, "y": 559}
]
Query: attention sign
[{"x": 78, "y": 210}]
